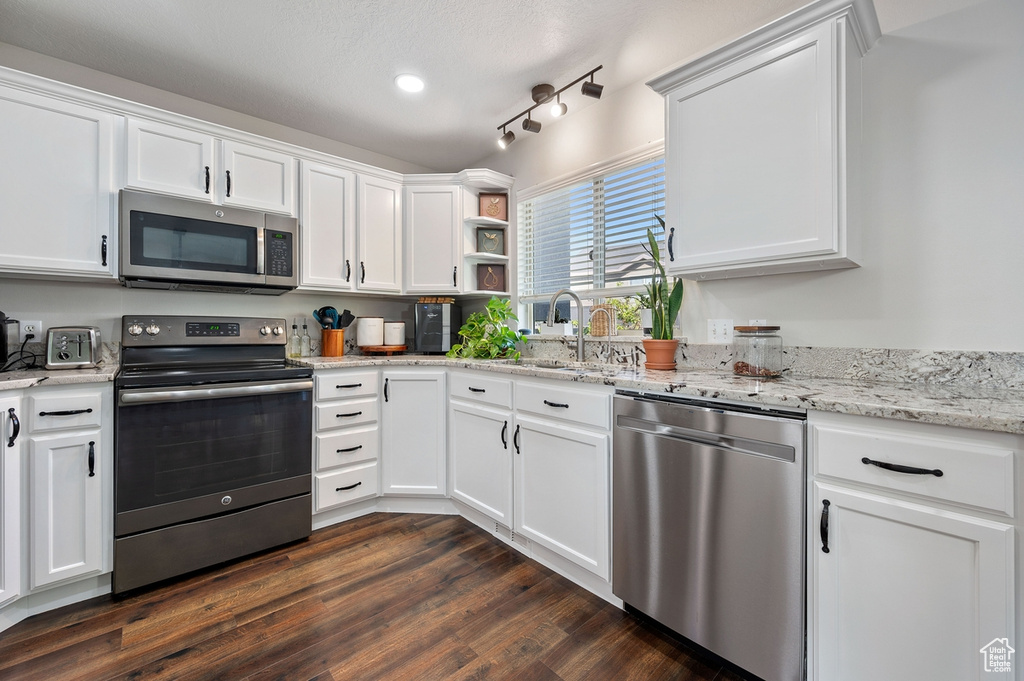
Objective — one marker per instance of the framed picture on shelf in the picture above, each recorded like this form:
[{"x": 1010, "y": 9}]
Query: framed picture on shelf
[
  {"x": 490, "y": 277},
  {"x": 490, "y": 240},
  {"x": 494, "y": 206}
]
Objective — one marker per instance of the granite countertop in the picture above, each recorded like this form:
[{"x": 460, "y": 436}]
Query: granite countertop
[
  {"x": 104, "y": 372},
  {"x": 979, "y": 406}
]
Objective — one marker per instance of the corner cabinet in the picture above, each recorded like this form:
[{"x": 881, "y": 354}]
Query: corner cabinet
[
  {"x": 474, "y": 182},
  {"x": 911, "y": 572},
  {"x": 432, "y": 226},
  {"x": 413, "y": 436},
  {"x": 379, "y": 234},
  {"x": 57, "y": 186},
  {"x": 762, "y": 147}
]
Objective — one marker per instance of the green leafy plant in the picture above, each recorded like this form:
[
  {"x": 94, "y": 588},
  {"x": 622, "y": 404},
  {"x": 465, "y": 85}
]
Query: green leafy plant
[
  {"x": 665, "y": 301},
  {"x": 485, "y": 335}
]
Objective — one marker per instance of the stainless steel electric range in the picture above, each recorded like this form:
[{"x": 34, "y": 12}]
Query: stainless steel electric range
[{"x": 213, "y": 444}]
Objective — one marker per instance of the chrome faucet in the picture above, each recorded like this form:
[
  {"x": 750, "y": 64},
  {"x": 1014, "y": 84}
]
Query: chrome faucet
[
  {"x": 607, "y": 314},
  {"x": 579, "y": 313}
]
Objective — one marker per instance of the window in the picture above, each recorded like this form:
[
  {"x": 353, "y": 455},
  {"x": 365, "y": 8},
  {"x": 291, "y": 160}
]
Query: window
[{"x": 588, "y": 235}]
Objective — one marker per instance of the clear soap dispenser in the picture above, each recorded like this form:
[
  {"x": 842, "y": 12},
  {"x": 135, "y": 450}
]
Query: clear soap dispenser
[
  {"x": 294, "y": 342},
  {"x": 305, "y": 344}
]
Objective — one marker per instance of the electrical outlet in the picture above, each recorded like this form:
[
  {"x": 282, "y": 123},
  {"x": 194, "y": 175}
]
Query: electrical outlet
[
  {"x": 759, "y": 322},
  {"x": 719, "y": 331},
  {"x": 31, "y": 327}
]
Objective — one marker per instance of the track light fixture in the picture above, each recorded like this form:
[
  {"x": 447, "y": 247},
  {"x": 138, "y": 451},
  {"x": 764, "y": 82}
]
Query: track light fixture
[{"x": 542, "y": 94}]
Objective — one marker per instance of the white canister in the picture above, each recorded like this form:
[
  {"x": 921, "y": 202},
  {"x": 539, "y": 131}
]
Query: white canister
[
  {"x": 394, "y": 333},
  {"x": 370, "y": 331}
]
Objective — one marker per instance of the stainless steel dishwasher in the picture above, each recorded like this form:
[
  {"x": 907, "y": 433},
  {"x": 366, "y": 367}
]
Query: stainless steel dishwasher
[{"x": 708, "y": 525}]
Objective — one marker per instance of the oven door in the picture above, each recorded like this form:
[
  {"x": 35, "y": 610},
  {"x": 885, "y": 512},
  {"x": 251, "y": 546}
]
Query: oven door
[{"x": 190, "y": 452}]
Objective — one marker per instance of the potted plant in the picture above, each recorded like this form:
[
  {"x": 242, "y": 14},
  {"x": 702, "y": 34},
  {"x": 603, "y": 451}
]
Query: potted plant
[
  {"x": 485, "y": 335},
  {"x": 665, "y": 302}
]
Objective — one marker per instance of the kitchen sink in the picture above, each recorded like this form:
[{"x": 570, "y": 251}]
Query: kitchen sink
[{"x": 575, "y": 368}]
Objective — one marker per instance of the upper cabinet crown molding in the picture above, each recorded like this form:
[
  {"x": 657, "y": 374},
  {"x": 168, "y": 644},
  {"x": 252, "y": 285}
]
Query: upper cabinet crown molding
[{"x": 762, "y": 147}]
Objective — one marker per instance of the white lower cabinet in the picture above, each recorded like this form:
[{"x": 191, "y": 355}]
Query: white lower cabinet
[
  {"x": 481, "y": 459},
  {"x": 11, "y": 415},
  {"x": 346, "y": 441},
  {"x": 918, "y": 575},
  {"x": 413, "y": 438}
]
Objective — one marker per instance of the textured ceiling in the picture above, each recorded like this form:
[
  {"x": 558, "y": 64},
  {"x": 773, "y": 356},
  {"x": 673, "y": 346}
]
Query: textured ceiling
[{"x": 327, "y": 66}]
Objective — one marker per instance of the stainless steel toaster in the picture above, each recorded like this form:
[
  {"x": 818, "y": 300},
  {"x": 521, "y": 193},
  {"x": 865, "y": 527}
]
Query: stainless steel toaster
[{"x": 72, "y": 347}]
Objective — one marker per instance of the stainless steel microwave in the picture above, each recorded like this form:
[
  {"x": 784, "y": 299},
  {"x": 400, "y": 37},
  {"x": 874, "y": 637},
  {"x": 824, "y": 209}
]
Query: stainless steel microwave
[{"x": 172, "y": 243}]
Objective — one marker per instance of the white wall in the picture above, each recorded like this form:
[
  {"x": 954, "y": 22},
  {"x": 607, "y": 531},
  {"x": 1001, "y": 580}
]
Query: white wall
[{"x": 943, "y": 199}]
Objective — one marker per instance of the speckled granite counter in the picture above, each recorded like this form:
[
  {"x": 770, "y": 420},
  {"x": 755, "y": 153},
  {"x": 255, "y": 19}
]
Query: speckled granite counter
[
  {"x": 980, "y": 406},
  {"x": 103, "y": 373}
]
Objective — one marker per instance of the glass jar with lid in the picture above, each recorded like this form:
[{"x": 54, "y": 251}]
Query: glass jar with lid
[{"x": 757, "y": 351}]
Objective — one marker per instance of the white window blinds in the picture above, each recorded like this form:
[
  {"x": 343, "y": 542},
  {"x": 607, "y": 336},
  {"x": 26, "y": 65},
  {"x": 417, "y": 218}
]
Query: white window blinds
[{"x": 588, "y": 235}]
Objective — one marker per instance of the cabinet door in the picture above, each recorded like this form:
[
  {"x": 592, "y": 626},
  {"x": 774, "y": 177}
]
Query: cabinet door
[
  {"x": 905, "y": 591},
  {"x": 432, "y": 227},
  {"x": 379, "y": 235},
  {"x": 481, "y": 447},
  {"x": 65, "y": 507},
  {"x": 413, "y": 437},
  {"x": 327, "y": 227},
  {"x": 10, "y": 503},
  {"x": 752, "y": 165},
  {"x": 561, "y": 490},
  {"x": 56, "y": 187},
  {"x": 257, "y": 178},
  {"x": 170, "y": 160}
]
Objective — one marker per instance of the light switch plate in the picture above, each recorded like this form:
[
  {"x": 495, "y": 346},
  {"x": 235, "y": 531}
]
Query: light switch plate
[{"x": 720, "y": 331}]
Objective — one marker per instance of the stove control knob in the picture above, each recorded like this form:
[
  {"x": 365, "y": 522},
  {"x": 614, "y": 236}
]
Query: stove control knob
[
  {"x": 135, "y": 329},
  {"x": 265, "y": 331},
  {"x": 152, "y": 329},
  {"x": 278, "y": 330}
]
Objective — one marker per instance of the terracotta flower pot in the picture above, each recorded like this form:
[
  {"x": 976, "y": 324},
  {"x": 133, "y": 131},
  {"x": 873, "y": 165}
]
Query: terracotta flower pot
[{"x": 661, "y": 354}]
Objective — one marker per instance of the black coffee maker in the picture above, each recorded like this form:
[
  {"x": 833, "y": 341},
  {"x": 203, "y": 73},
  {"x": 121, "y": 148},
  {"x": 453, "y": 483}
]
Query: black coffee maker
[{"x": 8, "y": 338}]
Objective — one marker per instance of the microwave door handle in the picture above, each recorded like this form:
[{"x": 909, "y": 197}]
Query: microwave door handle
[{"x": 261, "y": 252}]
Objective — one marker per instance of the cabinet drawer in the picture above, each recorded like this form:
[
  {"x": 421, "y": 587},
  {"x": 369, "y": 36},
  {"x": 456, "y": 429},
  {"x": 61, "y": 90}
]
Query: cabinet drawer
[
  {"x": 576, "y": 404},
  {"x": 973, "y": 474},
  {"x": 348, "y": 446},
  {"x": 482, "y": 389},
  {"x": 342, "y": 384},
  {"x": 346, "y": 413},
  {"x": 345, "y": 486},
  {"x": 64, "y": 411}
]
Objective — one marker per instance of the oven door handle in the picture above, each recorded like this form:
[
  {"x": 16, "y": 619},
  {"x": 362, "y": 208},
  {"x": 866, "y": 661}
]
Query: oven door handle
[{"x": 200, "y": 392}]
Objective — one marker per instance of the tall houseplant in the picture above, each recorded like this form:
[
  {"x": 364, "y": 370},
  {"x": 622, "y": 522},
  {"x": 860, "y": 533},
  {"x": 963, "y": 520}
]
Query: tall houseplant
[
  {"x": 666, "y": 300},
  {"x": 485, "y": 335}
]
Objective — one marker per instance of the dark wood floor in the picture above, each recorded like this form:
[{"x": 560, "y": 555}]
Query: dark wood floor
[{"x": 381, "y": 597}]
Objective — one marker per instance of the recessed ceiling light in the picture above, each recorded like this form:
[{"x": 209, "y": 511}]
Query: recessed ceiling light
[{"x": 409, "y": 82}]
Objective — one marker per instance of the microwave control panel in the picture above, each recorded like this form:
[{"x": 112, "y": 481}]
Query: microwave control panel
[{"x": 279, "y": 253}]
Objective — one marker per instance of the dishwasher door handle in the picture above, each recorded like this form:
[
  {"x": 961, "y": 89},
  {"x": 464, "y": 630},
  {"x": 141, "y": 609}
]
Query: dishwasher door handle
[{"x": 703, "y": 437}]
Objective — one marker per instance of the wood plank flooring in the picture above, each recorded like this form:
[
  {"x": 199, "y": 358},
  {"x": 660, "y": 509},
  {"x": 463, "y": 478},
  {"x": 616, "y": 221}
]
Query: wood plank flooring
[{"x": 385, "y": 596}]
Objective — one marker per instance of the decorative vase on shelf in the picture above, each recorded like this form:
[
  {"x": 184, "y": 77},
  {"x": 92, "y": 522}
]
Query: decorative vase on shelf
[{"x": 661, "y": 354}]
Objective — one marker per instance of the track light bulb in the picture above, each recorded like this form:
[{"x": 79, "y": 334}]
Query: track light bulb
[
  {"x": 506, "y": 139},
  {"x": 558, "y": 109},
  {"x": 531, "y": 125},
  {"x": 592, "y": 89}
]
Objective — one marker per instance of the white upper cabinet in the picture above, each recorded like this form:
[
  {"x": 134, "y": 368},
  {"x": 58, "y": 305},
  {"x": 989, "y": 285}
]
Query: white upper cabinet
[
  {"x": 327, "y": 227},
  {"x": 57, "y": 186},
  {"x": 762, "y": 142},
  {"x": 433, "y": 231},
  {"x": 194, "y": 164},
  {"x": 379, "y": 234}
]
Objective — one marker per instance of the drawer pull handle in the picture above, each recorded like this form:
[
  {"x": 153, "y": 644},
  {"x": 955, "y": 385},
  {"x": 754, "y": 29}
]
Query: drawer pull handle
[
  {"x": 902, "y": 469},
  {"x": 92, "y": 458},
  {"x": 71, "y": 412},
  {"x": 15, "y": 427},
  {"x": 349, "y": 415},
  {"x": 824, "y": 525},
  {"x": 556, "y": 404},
  {"x": 348, "y": 487},
  {"x": 476, "y": 390},
  {"x": 350, "y": 449},
  {"x": 346, "y": 386}
]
